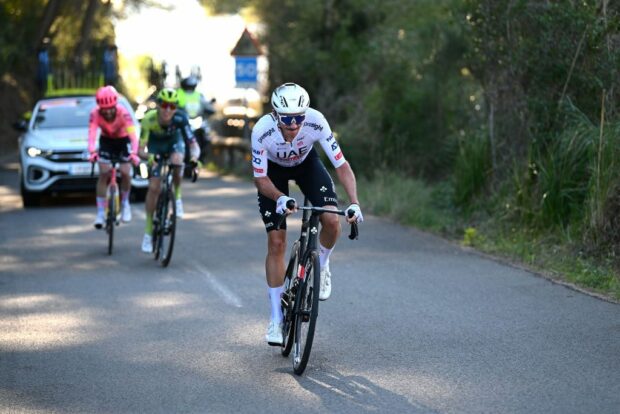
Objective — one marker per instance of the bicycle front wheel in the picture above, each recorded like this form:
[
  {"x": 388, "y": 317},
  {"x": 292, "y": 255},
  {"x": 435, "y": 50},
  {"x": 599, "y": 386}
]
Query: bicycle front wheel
[
  {"x": 111, "y": 220},
  {"x": 288, "y": 300},
  {"x": 167, "y": 229},
  {"x": 308, "y": 311}
]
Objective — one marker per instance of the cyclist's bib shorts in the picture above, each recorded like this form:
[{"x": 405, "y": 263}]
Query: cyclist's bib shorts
[
  {"x": 114, "y": 148},
  {"x": 165, "y": 146},
  {"x": 312, "y": 178}
]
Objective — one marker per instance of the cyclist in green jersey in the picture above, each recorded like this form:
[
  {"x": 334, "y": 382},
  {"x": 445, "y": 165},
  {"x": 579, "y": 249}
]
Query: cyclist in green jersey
[{"x": 164, "y": 131}]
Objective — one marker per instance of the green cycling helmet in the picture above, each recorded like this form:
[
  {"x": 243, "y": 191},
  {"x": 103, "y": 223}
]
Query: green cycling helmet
[{"x": 169, "y": 95}]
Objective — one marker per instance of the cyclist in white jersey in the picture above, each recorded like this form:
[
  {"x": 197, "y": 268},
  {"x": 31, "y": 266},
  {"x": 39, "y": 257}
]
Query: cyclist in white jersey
[{"x": 282, "y": 150}]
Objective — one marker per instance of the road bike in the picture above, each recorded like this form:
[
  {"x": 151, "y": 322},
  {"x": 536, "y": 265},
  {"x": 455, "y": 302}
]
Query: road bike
[
  {"x": 112, "y": 203},
  {"x": 302, "y": 282},
  {"x": 165, "y": 215}
]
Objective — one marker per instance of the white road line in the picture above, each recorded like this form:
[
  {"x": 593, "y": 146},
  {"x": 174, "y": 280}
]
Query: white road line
[{"x": 224, "y": 292}]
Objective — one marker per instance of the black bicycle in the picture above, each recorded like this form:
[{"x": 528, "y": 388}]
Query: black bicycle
[
  {"x": 165, "y": 216},
  {"x": 302, "y": 283},
  {"x": 112, "y": 203}
]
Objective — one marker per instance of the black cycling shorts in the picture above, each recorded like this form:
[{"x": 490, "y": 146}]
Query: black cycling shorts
[
  {"x": 312, "y": 178},
  {"x": 114, "y": 148}
]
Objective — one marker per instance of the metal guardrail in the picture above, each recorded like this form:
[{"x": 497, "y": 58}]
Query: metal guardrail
[{"x": 229, "y": 152}]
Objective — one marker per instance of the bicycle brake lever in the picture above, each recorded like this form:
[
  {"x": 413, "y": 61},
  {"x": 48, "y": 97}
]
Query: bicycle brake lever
[{"x": 354, "y": 230}]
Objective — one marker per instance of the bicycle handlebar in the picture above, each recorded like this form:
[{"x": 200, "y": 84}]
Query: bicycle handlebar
[{"x": 350, "y": 213}]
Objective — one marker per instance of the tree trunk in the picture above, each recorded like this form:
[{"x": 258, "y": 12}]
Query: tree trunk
[
  {"x": 87, "y": 26},
  {"x": 49, "y": 15}
]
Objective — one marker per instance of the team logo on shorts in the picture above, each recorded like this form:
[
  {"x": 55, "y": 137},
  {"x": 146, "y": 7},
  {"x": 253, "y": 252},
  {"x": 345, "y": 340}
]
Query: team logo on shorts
[
  {"x": 323, "y": 189},
  {"x": 267, "y": 213}
]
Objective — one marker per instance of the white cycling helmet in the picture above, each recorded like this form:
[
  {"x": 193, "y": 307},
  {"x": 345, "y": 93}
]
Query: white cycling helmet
[{"x": 290, "y": 98}]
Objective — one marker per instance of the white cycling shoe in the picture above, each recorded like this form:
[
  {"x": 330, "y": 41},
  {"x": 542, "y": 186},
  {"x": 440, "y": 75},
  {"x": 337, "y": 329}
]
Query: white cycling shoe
[
  {"x": 99, "y": 221},
  {"x": 180, "y": 212},
  {"x": 126, "y": 212},
  {"x": 326, "y": 284},
  {"x": 147, "y": 243},
  {"x": 274, "y": 334}
]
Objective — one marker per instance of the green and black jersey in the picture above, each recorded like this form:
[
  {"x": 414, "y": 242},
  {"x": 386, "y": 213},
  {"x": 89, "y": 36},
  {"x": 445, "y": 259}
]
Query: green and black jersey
[{"x": 153, "y": 132}]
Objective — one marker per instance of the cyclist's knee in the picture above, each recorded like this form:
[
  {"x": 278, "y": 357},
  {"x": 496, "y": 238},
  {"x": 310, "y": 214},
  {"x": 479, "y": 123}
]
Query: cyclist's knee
[
  {"x": 154, "y": 185},
  {"x": 330, "y": 222},
  {"x": 276, "y": 244}
]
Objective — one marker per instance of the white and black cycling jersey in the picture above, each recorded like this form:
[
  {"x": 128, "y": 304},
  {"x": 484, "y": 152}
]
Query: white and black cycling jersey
[{"x": 268, "y": 143}]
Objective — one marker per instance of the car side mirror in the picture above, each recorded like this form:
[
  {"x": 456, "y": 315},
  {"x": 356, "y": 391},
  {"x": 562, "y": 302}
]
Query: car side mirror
[{"x": 21, "y": 125}]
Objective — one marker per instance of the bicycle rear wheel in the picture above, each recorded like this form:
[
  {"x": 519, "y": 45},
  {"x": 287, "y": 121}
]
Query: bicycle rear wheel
[
  {"x": 110, "y": 221},
  {"x": 288, "y": 300},
  {"x": 168, "y": 227},
  {"x": 308, "y": 311}
]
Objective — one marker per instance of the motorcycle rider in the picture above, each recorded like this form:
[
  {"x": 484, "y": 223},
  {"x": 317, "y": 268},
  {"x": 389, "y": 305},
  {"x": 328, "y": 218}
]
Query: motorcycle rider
[{"x": 198, "y": 109}]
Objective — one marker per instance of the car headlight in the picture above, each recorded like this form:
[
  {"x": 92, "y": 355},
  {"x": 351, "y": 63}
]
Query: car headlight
[
  {"x": 33, "y": 152},
  {"x": 144, "y": 171}
]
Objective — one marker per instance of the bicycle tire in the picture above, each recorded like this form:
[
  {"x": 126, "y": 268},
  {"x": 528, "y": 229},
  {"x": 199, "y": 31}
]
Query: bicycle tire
[
  {"x": 156, "y": 222},
  {"x": 288, "y": 312},
  {"x": 111, "y": 220},
  {"x": 308, "y": 312},
  {"x": 168, "y": 229}
]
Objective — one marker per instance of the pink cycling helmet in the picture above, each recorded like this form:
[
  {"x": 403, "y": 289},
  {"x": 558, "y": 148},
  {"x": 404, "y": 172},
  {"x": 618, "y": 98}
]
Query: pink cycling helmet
[{"x": 106, "y": 97}]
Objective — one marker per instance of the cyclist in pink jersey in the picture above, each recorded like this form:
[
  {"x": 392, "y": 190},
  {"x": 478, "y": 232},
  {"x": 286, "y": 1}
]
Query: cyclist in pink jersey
[{"x": 118, "y": 140}]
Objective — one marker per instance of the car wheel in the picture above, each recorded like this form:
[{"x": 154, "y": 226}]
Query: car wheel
[{"x": 29, "y": 198}]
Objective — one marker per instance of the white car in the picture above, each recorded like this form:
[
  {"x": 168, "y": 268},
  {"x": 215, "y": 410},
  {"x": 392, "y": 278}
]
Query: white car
[{"x": 53, "y": 149}]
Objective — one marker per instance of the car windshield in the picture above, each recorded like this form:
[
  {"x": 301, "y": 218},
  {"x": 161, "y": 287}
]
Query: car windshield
[{"x": 64, "y": 113}]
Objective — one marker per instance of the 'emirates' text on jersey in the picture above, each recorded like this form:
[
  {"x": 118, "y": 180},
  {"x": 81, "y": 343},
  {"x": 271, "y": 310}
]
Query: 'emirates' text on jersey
[{"x": 269, "y": 144}]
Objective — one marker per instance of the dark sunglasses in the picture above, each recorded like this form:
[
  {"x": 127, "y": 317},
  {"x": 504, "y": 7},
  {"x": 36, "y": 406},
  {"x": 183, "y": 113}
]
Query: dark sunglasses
[
  {"x": 289, "y": 119},
  {"x": 168, "y": 105}
]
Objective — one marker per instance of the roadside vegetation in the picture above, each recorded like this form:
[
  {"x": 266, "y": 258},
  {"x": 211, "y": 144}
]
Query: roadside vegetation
[{"x": 492, "y": 122}]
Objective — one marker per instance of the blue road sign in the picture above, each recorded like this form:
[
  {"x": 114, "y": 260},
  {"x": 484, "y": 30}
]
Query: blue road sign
[{"x": 245, "y": 70}]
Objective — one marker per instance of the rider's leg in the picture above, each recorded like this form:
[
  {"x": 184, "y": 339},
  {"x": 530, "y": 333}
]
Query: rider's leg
[
  {"x": 177, "y": 158},
  {"x": 151, "y": 202},
  {"x": 275, "y": 268},
  {"x": 125, "y": 181},
  {"x": 102, "y": 183},
  {"x": 330, "y": 232}
]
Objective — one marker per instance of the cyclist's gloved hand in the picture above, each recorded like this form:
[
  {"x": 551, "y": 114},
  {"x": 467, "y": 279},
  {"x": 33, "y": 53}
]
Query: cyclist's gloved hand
[
  {"x": 134, "y": 159},
  {"x": 357, "y": 216},
  {"x": 281, "y": 205},
  {"x": 93, "y": 157}
]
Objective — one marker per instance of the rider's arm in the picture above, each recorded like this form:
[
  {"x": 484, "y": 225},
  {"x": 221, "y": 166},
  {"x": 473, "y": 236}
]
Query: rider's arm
[
  {"x": 188, "y": 135},
  {"x": 144, "y": 138},
  {"x": 266, "y": 187},
  {"x": 92, "y": 131},
  {"x": 347, "y": 179},
  {"x": 131, "y": 131}
]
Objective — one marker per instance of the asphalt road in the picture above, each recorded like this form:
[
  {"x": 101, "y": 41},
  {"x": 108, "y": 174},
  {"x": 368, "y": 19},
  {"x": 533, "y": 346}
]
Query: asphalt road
[{"x": 414, "y": 324}]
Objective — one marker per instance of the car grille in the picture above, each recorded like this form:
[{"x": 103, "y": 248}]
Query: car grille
[
  {"x": 66, "y": 156},
  {"x": 74, "y": 184}
]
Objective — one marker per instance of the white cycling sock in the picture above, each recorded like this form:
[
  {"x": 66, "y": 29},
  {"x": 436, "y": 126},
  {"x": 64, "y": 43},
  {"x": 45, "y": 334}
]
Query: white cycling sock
[
  {"x": 324, "y": 253},
  {"x": 101, "y": 205},
  {"x": 276, "y": 307}
]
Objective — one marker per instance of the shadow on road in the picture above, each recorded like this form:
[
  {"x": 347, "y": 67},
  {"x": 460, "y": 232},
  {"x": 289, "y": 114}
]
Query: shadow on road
[{"x": 356, "y": 393}]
